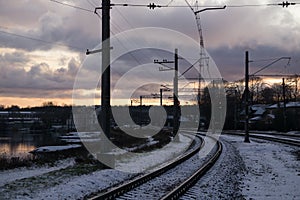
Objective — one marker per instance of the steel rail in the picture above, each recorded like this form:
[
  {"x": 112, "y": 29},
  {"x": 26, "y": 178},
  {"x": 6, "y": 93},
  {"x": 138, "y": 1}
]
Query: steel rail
[
  {"x": 275, "y": 134},
  {"x": 273, "y": 139},
  {"x": 114, "y": 192},
  {"x": 188, "y": 183}
]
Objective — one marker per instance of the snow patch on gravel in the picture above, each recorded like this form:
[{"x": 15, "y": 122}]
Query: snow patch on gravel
[
  {"x": 223, "y": 179},
  {"x": 149, "y": 160},
  {"x": 256, "y": 170},
  {"x": 272, "y": 170},
  {"x": 20, "y": 173}
]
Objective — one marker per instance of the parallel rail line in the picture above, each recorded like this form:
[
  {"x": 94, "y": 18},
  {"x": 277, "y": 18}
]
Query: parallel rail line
[
  {"x": 270, "y": 138},
  {"x": 114, "y": 192},
  {"x": 183, "y": 187}
]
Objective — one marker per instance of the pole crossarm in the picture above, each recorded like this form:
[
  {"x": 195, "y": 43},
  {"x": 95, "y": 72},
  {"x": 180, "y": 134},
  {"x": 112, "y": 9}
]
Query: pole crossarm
[
  {"x": 188, "y": 69},
  {"x": 163, "y": 63},
  {"x": 205, "y": 9},
  {"x": 277, "y": 75},
  {"x": 265, "y": 67},
  {"x": 165, "y": 88},
  {"x": 88, "y": 52},
  {"x": 204, "y": 79}
]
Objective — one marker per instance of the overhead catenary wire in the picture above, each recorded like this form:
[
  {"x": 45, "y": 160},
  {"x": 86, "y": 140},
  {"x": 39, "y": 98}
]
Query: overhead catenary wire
[
  {"x": 119, "y": 29},
  {"x": 152, "y": 5},
  {"x": 40, "y": 40},
  {"x": 91, "y": 3},
  {"x": 72, "y": 6},
  {"x": 170, "y": 2},
  {"x": 132, "y": 27},
  {"x": 275, "y": 61},
  {"x": 127, "y": 21}
]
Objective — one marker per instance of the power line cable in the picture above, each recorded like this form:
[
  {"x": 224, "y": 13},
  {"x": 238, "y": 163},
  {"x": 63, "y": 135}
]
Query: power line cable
[
  {"x": 152, "y": 5},
  {"x": 170, "y": 2},
  {"x": 72, "y": 6},
  {"x": 39, "y": 40},
  {"x": 127, "y": 21},
  {"x": 119, "y": 29},
  {"x": 91, "y": 3},
  {"x": 131, "y": 26}
]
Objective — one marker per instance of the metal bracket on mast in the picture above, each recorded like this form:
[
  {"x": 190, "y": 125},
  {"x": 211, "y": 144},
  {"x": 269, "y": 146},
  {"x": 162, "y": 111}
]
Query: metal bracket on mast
[
  {"x": 215, "y": 8},
  {"x": 88, "y": 52}
]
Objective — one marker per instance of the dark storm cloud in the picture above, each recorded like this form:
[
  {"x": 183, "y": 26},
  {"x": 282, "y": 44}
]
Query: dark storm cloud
[
  {"x": 48, "y": 22},
  {"x": 16, "y": 58},
  {"x": 39, "y": 77},
  {"x": 35, "y": 93},
  {"x": 254, "y": 26},
  {"x": 21, "y": 13},
  {"x": 267, "y": 32},
  {"x": 249, "y": 26},
  {"x": 274, "y": 26},
  {"x": 231, "y": 61}
]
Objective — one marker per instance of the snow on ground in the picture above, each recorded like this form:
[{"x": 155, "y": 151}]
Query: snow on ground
[
  {"x": 157, "y": 187},
  {"x": 8, "y": 176},
  {"x": 145, "y": 161},
  {"x": 78, "y": 137},
  {"x": 256, "y": 170},
  {"x": 55, "y": 148},
  {"x": 80, "y": 186},
  {"x": 223, "y": 179},
  {"x": 272, "y": 170},
  {"x": 52, "y": 184}
]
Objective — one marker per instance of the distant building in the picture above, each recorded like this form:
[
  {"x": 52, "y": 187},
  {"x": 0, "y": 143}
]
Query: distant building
[
  {"x": 85, "y": 118},
  {"x": 292, "y": 113},
  {"x": 19, "y": 120}
]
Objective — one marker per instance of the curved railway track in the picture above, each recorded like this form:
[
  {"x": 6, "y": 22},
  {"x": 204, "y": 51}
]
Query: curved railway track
[
  {"x": 188, "y": 183},
  {"x": 289, "y": 139},
  {"x": 170, "y": 180}
]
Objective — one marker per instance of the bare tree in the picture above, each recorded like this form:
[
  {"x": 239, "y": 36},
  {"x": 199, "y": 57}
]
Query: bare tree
[
  {"x": 267, "y": 95},
  {"x": 294, "y": 82},
  {"x": 256, "y": 85}
]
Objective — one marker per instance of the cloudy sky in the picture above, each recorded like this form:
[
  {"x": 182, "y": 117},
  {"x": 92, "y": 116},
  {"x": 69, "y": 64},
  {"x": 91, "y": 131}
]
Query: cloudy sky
[{"x": 43, "y": 43}]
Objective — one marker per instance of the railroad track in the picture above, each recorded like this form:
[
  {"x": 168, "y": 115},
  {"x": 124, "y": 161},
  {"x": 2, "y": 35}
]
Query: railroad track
[
  {"x": 289, "y": 139},
  {"x": 171, "y": 180},
  {"x": 194, "y": 178},
  {"x": 287, "y": 135}
]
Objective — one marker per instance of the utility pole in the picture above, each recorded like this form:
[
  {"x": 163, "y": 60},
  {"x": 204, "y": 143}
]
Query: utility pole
[
  {"x": 161, "y": 94},
  {"x": 105, "y": 86},
  {"x": 284, "y": 104},
  {"x": 247, "y": 98},
  {"x": 175, "y": 95},
  {"x": 235, "y": 109},
  {"x": 175, "y": 89},
  {"x": 105, "y": 73},
  {"x": 161, "y": 90},
  {"x": 283, "y": 85}
]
